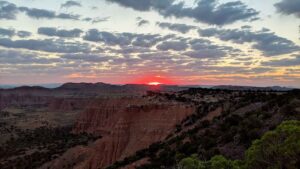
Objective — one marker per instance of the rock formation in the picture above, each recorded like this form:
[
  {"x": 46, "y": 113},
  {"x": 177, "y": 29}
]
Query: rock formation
[{"x": 126, "y": 125}]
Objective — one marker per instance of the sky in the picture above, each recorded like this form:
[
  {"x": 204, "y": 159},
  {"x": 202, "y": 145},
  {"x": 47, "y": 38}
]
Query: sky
[{"x": 195, "y": 42}]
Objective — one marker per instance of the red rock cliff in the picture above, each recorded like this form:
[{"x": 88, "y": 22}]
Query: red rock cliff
[{"x": 127, "y": 125}]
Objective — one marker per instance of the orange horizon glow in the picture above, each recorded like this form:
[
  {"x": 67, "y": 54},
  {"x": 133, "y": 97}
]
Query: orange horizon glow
[
  {"x": 154, "y": 83},
  {"x": 153, "y": 80}
]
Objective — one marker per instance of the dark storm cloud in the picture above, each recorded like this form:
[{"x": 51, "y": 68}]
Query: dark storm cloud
[
  {"x": 17, "y": 57},
  {"x": 123, "y": 39},
  {"x": 289, "y": 7},
  {"x": 69, "y": 4},
  {"x": 7, "y": 32},
  {"x": 182, "y": 28},
  {"x": 172, "y": 45},
  {"x": 51, "y": 31},
  {"x": 283, "y": 62},
  {"x": 205, "y": 11},
  {"x": 267, "y": 42},
  {"x": 48, "y": 45},
  {"x": 8, "y": 10}
]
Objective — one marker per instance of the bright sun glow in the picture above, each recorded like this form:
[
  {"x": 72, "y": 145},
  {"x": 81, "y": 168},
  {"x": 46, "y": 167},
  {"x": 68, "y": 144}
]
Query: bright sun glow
[{"x": 154, "y": 83}]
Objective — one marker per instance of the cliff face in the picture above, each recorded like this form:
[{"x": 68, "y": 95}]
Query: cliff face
[{"x": 126, "y": 125}]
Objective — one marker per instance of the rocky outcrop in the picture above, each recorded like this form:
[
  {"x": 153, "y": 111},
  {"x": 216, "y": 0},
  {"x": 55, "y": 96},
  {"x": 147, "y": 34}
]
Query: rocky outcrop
[{"x": 126, "y": 125}]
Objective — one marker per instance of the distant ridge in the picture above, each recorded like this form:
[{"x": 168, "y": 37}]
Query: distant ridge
[
  {"x": 92, "y": 89},
  {"x": 50, "y": 85},
  {"x": 116, "y": 88},
  {"x": 252, "y": 88}
]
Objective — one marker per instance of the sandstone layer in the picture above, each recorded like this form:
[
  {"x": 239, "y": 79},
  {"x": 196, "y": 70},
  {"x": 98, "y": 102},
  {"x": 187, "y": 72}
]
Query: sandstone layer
[{"x": 126, "y": 125}]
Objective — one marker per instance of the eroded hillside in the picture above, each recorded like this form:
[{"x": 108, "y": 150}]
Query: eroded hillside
[
  {"x": 126, "y": 125},
  {"x": 70, "y": 127}
]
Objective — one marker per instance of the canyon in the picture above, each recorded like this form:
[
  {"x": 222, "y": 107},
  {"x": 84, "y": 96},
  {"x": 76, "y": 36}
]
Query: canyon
[
  {"x": 98, "y": 126},
  {"x": 124, "y": 117},
  {"x": 126, "y": 125}
]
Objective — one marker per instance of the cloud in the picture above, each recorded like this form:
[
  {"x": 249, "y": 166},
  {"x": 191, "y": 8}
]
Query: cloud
[
  {"x": 205, "y": 53},
  {"x": 202, "y": 48},
  {"x": 18, "y": 57},
  {"x": 123, "y": 39},
  {"x": 130, "y": 49},
  {"x": 108, "y": 38},
  {"x": 47, "y": 45},
  {"x": 182, "y": 28},
  {"x": 51, "y": 31},
  {"x": 86, "y": 57},
  {"x": 140, "y": 43},
  {"x": 38, "y": 13},
  {"x": 7, "y": 32},
  {"x": 144, "y": 5},
  {"x": 172, "y": 45},
  {"x": 69, "y": 4},
  {"x": 23, "y": 34},
  {"x": 283, "y": 62},
  {"x": 67, "y": 16},
  {"x": 8, "y": 10},
  {"x": 149, "y": 40},
  {"x": 289, "y": 7},
  {"x": 11, "y": 32},
  {"x": 96, "y": 20},
  {"x": 42, "y": 13},
  {"x": 267, "y": 42},
  {"x": 205, "y": 11},
  {"x": 141, "y": 22}
]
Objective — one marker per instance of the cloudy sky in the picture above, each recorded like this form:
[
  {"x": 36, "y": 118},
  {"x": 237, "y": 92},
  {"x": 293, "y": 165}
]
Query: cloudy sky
[{"x": 207, "y": 42}]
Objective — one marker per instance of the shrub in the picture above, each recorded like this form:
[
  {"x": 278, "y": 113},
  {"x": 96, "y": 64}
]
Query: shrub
[
  {"x": 191, "y": 163},
  {"x": 276, "y": 149}
]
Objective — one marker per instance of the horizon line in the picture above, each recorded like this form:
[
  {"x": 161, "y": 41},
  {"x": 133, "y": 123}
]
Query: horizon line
[{"x": 162, "y": 84}]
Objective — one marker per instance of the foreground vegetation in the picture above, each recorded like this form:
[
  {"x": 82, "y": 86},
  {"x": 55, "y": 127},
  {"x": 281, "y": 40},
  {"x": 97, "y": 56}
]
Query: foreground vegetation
[
  {"x": 32, "y": 148},
  {"x": 275, "y": 150},
  {"x": 228, "y": 138}
]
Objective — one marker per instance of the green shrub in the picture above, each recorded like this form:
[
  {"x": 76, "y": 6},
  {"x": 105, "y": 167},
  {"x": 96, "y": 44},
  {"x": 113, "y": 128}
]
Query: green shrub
[
  {"x": 220, "y": 162},
  {"x": 191, "y": 163},
  {"x": 276, "y": 149}
]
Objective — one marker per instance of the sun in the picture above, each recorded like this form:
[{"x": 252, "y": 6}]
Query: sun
[{"x": 154, "y": 83}]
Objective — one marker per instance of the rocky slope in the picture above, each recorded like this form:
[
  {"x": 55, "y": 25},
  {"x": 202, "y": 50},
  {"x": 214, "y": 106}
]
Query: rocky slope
[
  {"x": 229, "y": 131},
  {"x": 126, "y": 125}
]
